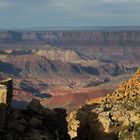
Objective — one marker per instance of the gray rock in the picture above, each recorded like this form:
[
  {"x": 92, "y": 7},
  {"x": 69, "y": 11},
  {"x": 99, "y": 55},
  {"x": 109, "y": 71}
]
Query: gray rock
[{"x": 35, "y": 122}]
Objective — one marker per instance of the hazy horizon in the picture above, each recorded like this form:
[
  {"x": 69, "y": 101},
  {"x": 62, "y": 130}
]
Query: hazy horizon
[{"x": 86, "y": 28}]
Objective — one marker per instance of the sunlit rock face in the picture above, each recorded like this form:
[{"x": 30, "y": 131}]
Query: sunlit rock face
[
  {"x": 114, "y": 117},
  {"x": 6, "y": 93}
]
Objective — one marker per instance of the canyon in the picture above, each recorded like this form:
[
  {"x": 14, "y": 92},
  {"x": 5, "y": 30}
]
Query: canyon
[
  {"x": 113, "y": 117},
  {"x": 65, "y": 68}
]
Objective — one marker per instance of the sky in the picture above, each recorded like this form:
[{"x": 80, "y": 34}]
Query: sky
[{"x": 68, "y": 13}]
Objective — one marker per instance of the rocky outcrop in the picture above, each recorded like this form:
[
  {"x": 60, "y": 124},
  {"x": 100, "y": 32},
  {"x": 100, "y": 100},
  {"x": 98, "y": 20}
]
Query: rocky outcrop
[
  {"x": 127, "y": 90},
  {"x": 36, "y": 122},
  {"x": 115, "y": 117},
  {"x": 6, "y": 93},
  {"x": 33, "y": 123}
]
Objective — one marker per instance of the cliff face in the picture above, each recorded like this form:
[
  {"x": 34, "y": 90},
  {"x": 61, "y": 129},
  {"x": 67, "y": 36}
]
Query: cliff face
[
  {"x": 109, "y": 45},
  {"x": 79, "y": 38},
  {"x": 115, "y": 117},
  {"x": 59, "y": 55}
]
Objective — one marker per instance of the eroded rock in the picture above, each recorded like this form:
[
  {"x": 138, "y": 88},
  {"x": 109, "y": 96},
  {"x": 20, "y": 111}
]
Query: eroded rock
[{"x": 35, "y": 106}]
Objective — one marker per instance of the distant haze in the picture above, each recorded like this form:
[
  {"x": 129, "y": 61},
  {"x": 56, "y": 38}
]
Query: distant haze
[{"x": 68, "y": 13}]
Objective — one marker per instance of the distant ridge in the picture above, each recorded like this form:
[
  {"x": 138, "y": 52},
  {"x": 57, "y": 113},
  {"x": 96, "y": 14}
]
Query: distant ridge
[{"x": 75, "y": 37}]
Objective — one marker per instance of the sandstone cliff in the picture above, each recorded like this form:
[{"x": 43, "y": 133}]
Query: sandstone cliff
[{"x": 115, "y": 117}]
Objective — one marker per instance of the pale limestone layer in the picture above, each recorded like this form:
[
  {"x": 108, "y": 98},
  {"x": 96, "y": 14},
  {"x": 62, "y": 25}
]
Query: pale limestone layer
[{"x": 58, "y": 54}]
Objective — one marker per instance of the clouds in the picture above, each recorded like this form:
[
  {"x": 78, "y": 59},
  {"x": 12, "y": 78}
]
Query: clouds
[
  {"x": 42, "y": 13},
  {"x": 5, "y": 5}
]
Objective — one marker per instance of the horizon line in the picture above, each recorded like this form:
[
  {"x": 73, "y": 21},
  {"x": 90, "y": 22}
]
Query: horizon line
[{"x": 122, "y": 27}]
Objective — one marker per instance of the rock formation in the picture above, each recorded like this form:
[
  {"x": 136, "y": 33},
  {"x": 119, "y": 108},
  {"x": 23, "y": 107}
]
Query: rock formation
[
  {"x": 114, "y": 117},
  {"x": 59, "y": 55},
  {"x": 78, "y": 38},
  {"x": 73, "y": 124},
  {"x": 6, "y": 93},
  {"x": 36, "y": 123}
]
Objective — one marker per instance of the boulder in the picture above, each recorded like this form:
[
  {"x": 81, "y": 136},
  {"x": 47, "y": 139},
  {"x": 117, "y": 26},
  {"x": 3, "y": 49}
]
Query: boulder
[
  {"x": 36, "y": 107},
  {"x": 35, "y": 122}
]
